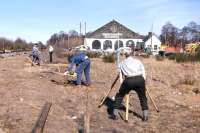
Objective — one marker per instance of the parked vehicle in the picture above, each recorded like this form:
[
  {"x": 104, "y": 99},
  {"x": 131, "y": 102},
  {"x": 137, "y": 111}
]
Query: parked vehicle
[
  {"x": 82, "y": 48},
  {"x": 124, "y": 50}
]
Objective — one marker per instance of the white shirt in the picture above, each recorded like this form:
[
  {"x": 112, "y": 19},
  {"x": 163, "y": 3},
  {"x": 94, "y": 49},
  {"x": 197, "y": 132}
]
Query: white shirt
[
  {"x": 132, "y": 67},
  {"x": 50, "y": 48}
]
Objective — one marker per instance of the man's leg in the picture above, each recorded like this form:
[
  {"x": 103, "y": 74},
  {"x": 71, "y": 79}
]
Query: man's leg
[
  {"x": 87, "y": 72},
  {"x": 79, "y": 71},
  {"x": 118, "y": 98},
  {"x": 50, "y": 56},
  {"x": 142, "y": 97},
  {"x": 38, "y": 60},
  {"x": 34, "y": 58},
  {"x": 141, "y": 92}
]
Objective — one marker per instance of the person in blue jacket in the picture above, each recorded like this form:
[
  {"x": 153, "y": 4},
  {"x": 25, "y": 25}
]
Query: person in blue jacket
[
  {"x": 82, "y": 63},
  {"x": 36, "y": 54}
]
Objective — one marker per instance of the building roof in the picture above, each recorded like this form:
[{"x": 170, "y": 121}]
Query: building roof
[
  {"x": 149, "y": 36},
  {"x": 113, "y": 28}
]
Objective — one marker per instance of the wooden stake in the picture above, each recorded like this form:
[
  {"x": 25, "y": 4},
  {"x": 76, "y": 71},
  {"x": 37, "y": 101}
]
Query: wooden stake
[
  {"x": 87, "y": 115},
  {"x": 127, "y": 107},
  {"x": 59, "y": 69},
  {"x": 38, "y": 128}
]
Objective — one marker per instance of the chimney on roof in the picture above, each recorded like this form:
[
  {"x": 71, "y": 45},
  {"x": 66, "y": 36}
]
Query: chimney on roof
[{"x": 150, "y": 34}]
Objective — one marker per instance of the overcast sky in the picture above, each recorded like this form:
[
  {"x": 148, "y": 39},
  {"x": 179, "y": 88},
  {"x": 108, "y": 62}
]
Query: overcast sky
[{"x": 37, "y": 20}]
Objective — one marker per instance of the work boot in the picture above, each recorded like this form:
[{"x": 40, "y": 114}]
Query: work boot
[
  {"x": 145, "y": 115},
  {"x": 113, "y": 115}
]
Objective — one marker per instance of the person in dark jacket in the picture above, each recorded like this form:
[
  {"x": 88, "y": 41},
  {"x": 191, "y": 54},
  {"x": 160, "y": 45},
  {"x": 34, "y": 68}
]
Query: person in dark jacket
[{"x": 82, "y": 63}]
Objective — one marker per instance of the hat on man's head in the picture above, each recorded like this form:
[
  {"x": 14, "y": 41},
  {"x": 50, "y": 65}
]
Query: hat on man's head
[{"x": 36, "y": 44}]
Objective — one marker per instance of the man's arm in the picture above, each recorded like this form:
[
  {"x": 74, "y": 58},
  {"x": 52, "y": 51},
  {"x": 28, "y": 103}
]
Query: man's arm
[
  {"x": 143, "y": 71},
  {"x": 72, "y": 64}
]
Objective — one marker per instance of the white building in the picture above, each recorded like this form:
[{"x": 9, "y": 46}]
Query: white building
[
  {"x": 153, "y": 43},
  {"x": 112, "y": 36}
]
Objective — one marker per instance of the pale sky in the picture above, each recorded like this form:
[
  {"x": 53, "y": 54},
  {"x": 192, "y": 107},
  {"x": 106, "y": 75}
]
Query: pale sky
[{"x": 37, "y": 20}]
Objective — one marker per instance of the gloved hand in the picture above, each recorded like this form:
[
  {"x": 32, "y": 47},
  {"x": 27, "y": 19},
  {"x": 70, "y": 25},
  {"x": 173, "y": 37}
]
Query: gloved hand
[
  {"x": 145, "y": 115},
  {"x": 71, "y": 73},
  {"x": 66, "y": 72}
]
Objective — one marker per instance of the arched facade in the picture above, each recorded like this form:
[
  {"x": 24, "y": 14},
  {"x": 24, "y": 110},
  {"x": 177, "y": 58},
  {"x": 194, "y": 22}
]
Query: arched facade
[
  {"x": 96, "y": 44},
  {"x": 103, "y": 44},
  {"x": 118, "y": 44},
  {"x": 112, "y": 36},
  {"x": 130, "y": 43},
  {"x": 107, "y": 44}
]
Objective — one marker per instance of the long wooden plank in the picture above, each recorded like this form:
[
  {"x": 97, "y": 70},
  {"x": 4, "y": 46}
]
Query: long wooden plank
[
  {"x": 39, "y": 126},
  {"x": 56, "y": 65}
]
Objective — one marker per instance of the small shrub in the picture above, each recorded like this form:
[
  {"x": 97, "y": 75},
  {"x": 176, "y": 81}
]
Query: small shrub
[
  {"x": 144, "y": 55},
  {"x": 197, "y": 55},
  {"x": 93, "y": 54},
  {"x": 159, "y": 58},
  {"x": 188, "y": 80},
  {"x": 182, "y": 57},
  {"x": 172, "y": 57},
  {"x": 110, "y": 58}
]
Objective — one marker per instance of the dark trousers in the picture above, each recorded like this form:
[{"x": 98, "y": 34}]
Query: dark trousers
[
  {"x": 136, "y": 83},
  {"x": 51, "y": 57}
]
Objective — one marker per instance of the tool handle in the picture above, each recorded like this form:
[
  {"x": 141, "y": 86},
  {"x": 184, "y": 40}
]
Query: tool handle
[
  {"x": 152, "y": 100},
  {"x": 104, "y": 98}
]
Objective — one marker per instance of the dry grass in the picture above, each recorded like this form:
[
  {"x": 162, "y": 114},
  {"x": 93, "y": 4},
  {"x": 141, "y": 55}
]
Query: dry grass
[{"x": 23, "y": 93}]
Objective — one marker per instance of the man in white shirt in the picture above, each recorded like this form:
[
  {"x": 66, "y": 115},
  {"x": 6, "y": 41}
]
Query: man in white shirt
[
  {"x": 50, "y": 53},
  {"x": 134, "y": 79}
]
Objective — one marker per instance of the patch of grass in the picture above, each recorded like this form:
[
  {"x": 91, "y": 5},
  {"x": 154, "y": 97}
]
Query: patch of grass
[
  {"x": 188, "y": 80},
  {"x": 109, "y": 58},
  {"x": 186, "y": 57},
  {"x": 172, "y": 57},
  {"x": 144, "y": 55},
  {"x": 159, "y": 58},
  {"x": 182, "y": 57},
  {"x": 94, "y": 54}
]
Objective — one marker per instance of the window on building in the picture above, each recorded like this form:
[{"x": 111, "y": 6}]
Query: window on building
[
  {"x": 107, "y": 45},
  {"x": 118, "y": 44},
  {"x": 96, "y": 44},
  {"x": 138, "y": 45},
  {"x": 130, "y": 43},
  {"x": 155, "y": 47}
]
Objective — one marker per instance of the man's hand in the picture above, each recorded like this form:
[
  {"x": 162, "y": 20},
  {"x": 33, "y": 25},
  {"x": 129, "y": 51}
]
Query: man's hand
[
  {"x": 66, "y": 73},
  {"x": 70, "y": 73}
]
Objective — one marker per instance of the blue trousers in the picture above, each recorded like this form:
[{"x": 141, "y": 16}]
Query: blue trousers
[
  {"x": 84, "y": 66},
  {"x": 36, "y": 59}
]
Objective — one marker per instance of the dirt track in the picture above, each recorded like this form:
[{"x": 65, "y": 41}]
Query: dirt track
[{"x": 24, "y": 90}]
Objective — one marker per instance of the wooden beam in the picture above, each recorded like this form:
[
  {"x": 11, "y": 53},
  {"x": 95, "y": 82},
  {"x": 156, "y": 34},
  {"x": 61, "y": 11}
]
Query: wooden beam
[
  {"x": 56, "y": 65},
  {"x": 39, "y": 126}
]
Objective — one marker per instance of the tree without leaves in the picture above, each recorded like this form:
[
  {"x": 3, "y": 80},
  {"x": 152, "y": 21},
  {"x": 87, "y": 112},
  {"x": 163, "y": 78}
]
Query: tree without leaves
[
  {"x": 173, "y": 36},
  {"x": 169, "y": 34},
  {"x": 61, "y": 39}
]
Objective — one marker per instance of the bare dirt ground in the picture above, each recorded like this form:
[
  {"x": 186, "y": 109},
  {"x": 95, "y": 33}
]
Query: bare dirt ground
[{"x": 24, "y": 90}]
